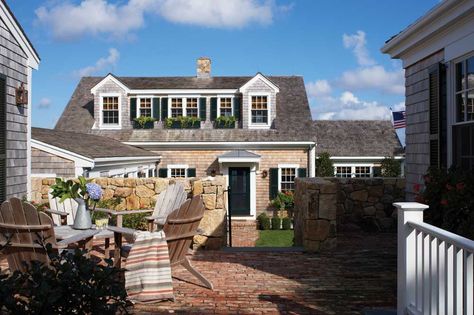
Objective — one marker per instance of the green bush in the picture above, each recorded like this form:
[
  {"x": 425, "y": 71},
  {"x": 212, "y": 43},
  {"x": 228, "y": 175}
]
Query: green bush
[
  {"x": 286, "y": 224},
  {"x": 390, "y": 167},
  {"x": 263, "y": 221},
  {"x": 284, "y": 201},
  {"x": 324, "y": 165},
  {"x": 70, "y": 284},
  {"x": 276, "y": 223}
]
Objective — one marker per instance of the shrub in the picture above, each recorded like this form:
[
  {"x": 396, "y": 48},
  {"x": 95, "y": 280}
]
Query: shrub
[
  {"x": 286, "y": 224},
  {"x": 324, "y": 165},
  {"x": 284, "y": 200},
  {"x": 70, "y": 284},
  {"x": 263, "y": 221},
  {"x": 135, "y": 221},
  {"x": 225, "y": 121},
  {"x": 142, "y": 121},
  {"x": 276, "y": 223},
  {"x": 450, "y": 196},
  {"x": 390, "y": 167}
]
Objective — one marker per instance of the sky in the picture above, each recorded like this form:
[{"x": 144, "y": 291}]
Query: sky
[{"x": 334, "y": 44}]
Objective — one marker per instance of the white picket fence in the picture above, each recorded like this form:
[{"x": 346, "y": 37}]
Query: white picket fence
[{"x": 435, "y": 267}]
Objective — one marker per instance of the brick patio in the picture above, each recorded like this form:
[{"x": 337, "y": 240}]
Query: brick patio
[{"x": 360, "y": 274}]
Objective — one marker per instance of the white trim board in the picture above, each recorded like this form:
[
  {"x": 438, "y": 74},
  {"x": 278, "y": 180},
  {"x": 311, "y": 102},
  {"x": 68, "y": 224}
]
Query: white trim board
[
  {"x": 113, "y": 79},
  {"x": 101, "y": 108},
  {"x": 260, "y": 76},
  {"x": 253, "y": 187},
  {"x": 251, "y": 125},
  {"x": 227, "y": 145}
]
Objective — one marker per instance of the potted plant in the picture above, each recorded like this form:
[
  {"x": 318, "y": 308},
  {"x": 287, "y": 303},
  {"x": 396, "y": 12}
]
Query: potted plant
[
  {"x": 225, "y": 122},
  {"x": 183, "y": 122},
  {"x": 144, "y": 122},
  {"x": 284, "y": 203},
  {"x": 84, "y": 193}
]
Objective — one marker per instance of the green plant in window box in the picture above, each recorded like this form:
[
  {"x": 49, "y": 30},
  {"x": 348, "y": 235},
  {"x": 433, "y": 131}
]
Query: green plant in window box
[
  {"x": 225, "y": 122},
  {"x": 183, "y": 122},
  {"x": 144, "y": 122}
]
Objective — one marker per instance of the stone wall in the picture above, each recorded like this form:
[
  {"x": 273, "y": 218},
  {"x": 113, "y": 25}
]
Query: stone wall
[
  {"x": 141, "y": 193},
  {"x": 324, "y": 206}
]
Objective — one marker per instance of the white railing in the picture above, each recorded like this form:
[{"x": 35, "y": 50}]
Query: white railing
[{"x": 435, "y": 267}]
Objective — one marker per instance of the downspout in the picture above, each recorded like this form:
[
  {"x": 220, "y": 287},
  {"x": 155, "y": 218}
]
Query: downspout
[{"x": 312, "y": 160}]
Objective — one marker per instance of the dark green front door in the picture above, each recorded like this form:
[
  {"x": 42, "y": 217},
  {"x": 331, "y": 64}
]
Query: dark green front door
[{"x": 239, "y": 197}]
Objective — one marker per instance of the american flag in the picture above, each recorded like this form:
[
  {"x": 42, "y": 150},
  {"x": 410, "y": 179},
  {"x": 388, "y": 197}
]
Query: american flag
[{"x": 399, "y": 119}]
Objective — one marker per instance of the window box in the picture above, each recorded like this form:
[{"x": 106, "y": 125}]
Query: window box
[
  {"x": 183, "y": 123},
  {"x": 225, "y": 122},
  {"x": 143, "y": 123}
]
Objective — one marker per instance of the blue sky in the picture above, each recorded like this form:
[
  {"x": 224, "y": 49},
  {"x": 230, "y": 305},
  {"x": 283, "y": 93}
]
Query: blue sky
[{"x": 334, "y": 44}]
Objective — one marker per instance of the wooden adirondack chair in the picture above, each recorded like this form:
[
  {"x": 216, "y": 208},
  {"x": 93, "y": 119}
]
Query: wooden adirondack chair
[
  {"x": 180, "y": 227},
  {"x": 62, "y": 213},
  {"x": 22, "y": 227},
  {"x": 168, "y": 200}
]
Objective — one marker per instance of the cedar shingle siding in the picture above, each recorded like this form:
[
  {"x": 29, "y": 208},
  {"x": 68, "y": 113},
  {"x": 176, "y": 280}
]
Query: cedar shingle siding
[
  {"x": 47, "y": 163},
  {"x": 13, "y": 65}
]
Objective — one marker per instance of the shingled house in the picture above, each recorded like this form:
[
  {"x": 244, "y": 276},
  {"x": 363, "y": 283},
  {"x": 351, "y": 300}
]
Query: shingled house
[{"x": 256, "y": 131}]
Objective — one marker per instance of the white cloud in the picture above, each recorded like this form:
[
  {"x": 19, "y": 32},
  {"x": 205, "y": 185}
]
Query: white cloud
[
  {"x": 374, "y": 78},
  {"x": 44, "y": 103},
  {"x": 68, "y": 20},
  {"x": 102, "y": 64},
  {"x": 357, "y": 43},
  {"x": 318, "y": 88}
]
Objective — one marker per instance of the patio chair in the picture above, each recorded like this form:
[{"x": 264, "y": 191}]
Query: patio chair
[
  {"x": 24, "y": 231},
  {"x": 168, "y": 200},
  {"x": 62, "y": 213},
  {"x": 180, "y": 227}
]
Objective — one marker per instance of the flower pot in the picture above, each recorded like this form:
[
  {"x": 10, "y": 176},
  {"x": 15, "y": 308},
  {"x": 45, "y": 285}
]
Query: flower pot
[{"x": 82, "y": 220}]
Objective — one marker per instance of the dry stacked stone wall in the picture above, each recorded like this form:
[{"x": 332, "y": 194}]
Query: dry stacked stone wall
[{"x": 141, "y": 193}]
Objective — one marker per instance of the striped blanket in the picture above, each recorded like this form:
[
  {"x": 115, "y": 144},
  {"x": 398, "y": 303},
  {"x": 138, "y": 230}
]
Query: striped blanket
[{"x": 148, "y": 271}]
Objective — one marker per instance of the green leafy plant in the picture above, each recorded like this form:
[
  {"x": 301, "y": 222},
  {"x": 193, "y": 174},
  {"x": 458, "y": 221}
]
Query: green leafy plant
[
  {"x": 450, "y": 196},
  {"x": 80, "y": 188},
  {"x": 276, "y": 223},
  {"x": 225, "y": 121},
  {"x": 69, "y": 284},
  {"x": 184, "y": 121},
  {"x": 143, "y": 121},
  {"x": 324, "y": 165},
  {"x": 284, "y": 201},
  {"x": 390, "y": 167},
  {"x": 263, "y": 221},
  {"x": 286, "y": 223}
]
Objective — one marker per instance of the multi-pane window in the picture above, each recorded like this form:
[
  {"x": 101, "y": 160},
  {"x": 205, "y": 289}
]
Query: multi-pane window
[
  {"x": 259, "y": 110},
  {"x": 176, "y": 107},
  {"x": 465, "y": 90},
  {"x": 362, "y": 171},
  {"x": 178, "y": 172},
  {"x": 145, "y": 107},
  {"x": 110, "y": 110},
  {"x": 226, "y": 106},
  {"x": 192, "y": 107},
  {"x": 287, "y": 179},
  {"x": 343, "y": 171}
]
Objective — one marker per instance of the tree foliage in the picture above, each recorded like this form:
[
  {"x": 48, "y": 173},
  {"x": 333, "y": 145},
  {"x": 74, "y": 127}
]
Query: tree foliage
[
  {"x": 324, "y": 165},
  {"x": 391, "y": 167}
]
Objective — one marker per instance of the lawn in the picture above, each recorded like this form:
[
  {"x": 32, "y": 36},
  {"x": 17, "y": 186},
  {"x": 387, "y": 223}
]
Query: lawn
[{"x": 275, "y": 238}]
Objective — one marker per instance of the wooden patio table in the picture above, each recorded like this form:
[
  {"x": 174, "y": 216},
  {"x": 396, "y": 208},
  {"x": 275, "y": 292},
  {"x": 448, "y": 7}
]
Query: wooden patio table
[{"x": 66, "y": 231}]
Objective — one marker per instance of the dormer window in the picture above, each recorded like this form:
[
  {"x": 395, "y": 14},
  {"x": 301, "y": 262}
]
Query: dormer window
[
  {"x": 110, "y": 110},
  {"x": 145, "y": 107},
  {"x": 176, "y": 107},
  {"x": 259, "y": 109},
  {"x": 192, "y": 107}
]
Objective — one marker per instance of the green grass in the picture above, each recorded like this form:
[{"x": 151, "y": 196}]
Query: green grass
[{"x": 278, "y": 238}]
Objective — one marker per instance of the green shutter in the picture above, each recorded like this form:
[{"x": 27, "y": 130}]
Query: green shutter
[
  {"x": 273, "y": 183},
  {"x": 163, "y": 172},
  {"x": 213, "y": 108},
  {"x": 133, "y": 108},
  {"x": 164, "y": 108},
  {"x": 301, "y": 172},
  {"x": 236, "y": 106},
  {"x": 156, "y": 108},
  {"x": 202, "y": 108},
  {"x": 191, "y": 172}
]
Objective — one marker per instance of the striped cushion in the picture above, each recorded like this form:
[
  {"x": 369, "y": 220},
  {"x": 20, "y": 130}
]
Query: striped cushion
[{"x": 148, "y": 271}]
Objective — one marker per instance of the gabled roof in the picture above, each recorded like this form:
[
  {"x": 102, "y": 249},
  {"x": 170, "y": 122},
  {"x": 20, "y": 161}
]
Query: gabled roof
[
  {"x": 87, "y": 145},
  {"x": 351, "y": 138},
  {"x": 293, "y": 121},
  {"x": 239, "y": 154},
  {"x": 17, "y": 31},
  {"x": 260, "y": 76}
]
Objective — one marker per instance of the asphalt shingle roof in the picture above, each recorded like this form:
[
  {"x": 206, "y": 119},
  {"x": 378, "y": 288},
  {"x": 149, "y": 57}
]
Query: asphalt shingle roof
[{"x": 88, "y": 145}]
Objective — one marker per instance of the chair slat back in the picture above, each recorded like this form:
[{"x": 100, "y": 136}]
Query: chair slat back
[
  {"x": 24, "y": 242},
  {"x": 169, "y": 200},
  {"x": 67, "y": 206},
  {"x": 181, "y": 226}
]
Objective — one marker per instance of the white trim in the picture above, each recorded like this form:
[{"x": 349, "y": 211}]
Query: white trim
[
  {"x": 280, "y": 166},
  {"x": 177, "y": 166},
  {"x": 15, "y": 30},
  {"x": 229, "y": 144},
  {"x": 183, "y": 92},
  {"x": 113, "y": 79},
  {"x": 269, "y": 110},
  {"x": 312, "y": 162},
  {"x": 184, "y": 100},
  {"x": 259, "y": 76},
  {"x": 353, "y": 166},
  {"x": 128, "y": 158},
  {"x": 28, "y": 133},
  {"x": 76, "y": 158},
  {"x": 253, "y": 187},
  {"x": 239, "y": 160},
  {"x": 101, "y": 103},
  {"x": 43, "y": 175},
  {"x": 139, "y": 98},
  {"x": 288, "y": 166},
  {"x": 219, "y": 104},
  {"x": 362, "y": 158}
]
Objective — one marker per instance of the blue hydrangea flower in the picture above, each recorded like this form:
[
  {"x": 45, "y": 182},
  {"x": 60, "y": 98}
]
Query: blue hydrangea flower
[{"x": 94, "y": 191}]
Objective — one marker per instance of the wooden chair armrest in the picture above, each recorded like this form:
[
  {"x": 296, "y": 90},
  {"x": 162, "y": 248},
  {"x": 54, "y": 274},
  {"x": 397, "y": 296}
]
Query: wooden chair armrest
[
  {"x": 115, "y": 212},
  {"x": 60, "y": 213},
  {"x": 77, "y": 238},
  {"x": 121, "y": 230},
  {"x": 153, "y": 218}
]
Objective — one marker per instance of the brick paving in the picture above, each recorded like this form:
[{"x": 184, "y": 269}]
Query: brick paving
[{"x": 360, "y": 274}]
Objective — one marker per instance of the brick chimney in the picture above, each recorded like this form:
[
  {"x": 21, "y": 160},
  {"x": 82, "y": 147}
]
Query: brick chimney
[{"x": 203, "y": 68}]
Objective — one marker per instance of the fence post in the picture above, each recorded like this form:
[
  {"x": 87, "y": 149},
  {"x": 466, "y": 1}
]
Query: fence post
[{"x": 406, "y": 262}]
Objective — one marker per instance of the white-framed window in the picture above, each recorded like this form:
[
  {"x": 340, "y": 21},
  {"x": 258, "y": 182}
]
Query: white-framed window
[
  {"x": 225, "y": 107},
  {"x": 144, "y": 106},
  {"x": 183, "y": 106},
  {"x": 177, "y": 170},
  {"x": 343, "y": 171},
  {"x": 110, "y": 110},
  {"x": 464, "y": 89},
  {"x": 286, "y": 177},
  {"x": 259, "y": 110},
  {"x": 348, "y": 171},
  {"x": 362, "y": 171}
]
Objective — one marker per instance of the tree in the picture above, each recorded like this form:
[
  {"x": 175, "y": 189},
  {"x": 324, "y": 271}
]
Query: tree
[
  {"x": 324, "y": 165},
  {"x": 390, "y": 167}
]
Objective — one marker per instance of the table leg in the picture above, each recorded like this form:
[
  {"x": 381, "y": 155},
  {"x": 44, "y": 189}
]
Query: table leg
[
  {"x": 107, "y": 248},
  {"x": 88, "y": 246},
  {"x": 117, "y": 250}
]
